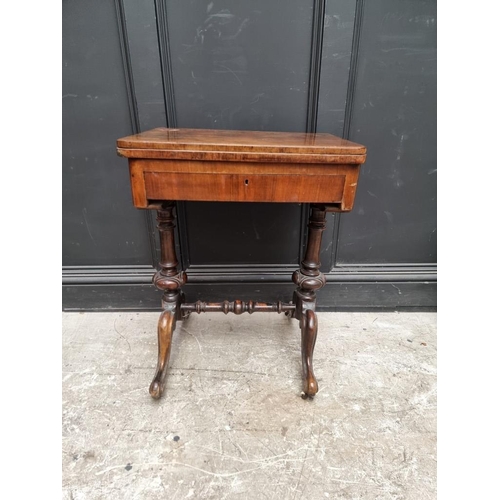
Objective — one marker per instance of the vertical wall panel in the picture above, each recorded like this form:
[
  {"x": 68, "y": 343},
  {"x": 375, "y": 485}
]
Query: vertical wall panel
[
  {"x": 142, "y": 38},
  {"x": 241, "y": 65},
  {"x": 100, "y": 225},
  {"x": 394, "y": 217},
  {"x": 334, "y": 78},
  {"x": 335, "y": 63}
]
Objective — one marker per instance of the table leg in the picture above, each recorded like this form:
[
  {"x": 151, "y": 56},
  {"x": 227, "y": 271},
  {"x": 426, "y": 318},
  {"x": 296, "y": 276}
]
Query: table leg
[
  {"x": 170, "y": 280},
  {"x": 166, "y": 327},
  {"x": 308, "y": 330},
  {"x": 309, "y": 279}
]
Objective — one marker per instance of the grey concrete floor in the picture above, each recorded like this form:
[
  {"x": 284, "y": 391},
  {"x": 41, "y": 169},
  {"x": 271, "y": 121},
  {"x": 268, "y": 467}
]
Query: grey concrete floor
[{"x": 232, "y": 425}]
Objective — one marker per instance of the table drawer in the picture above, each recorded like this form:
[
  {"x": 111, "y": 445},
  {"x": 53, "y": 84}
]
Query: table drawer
[{"x": 243, "y": 187}]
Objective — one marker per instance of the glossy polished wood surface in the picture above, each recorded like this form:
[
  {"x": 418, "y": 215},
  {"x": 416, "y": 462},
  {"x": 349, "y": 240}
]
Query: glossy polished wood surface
[
  {"x": 239, "y": 140},
  {"x": 168, "y": 165},
  {"x": 245, "y": 166},
  {"x": 242, "y": 156},
  {"x": 231, "y": 187}
]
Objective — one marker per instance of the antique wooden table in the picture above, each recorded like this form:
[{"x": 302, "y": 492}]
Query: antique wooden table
[{"x": 167, "y": 165}]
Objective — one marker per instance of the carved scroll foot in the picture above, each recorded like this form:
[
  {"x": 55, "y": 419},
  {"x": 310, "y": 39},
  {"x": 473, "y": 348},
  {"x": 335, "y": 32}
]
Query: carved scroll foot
[
  {"x": 166, "y": 327},
  {"x": 309, "y": 330}
]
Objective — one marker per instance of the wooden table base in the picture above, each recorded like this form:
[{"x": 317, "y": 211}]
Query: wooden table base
[
  {"x": 170, "y": 164},
  {"x": 308, "y": 279}
]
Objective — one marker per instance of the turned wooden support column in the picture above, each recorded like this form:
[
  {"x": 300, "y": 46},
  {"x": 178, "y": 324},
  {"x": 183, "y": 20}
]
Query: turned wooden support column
[
  {"x": 309, "y": 279},
  {"x": 169, "y": 279}
]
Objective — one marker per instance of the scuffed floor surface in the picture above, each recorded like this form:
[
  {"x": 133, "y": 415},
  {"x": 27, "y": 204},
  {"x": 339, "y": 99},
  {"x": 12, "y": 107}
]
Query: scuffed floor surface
[{"x": 232, "y": 425}]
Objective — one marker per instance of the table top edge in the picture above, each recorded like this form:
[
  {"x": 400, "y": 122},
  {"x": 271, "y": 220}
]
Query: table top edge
[{"x": 237, "y": 141}]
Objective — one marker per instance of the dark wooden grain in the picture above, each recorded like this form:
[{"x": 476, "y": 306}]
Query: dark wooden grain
[
  {"x": 166, "y": 327},
  {"x": 237, "y": 307},
  {"x": 242, "y": 166},
  {"x": 309, "y": 331},
  {"x": 175, "y": 139},
  {"x": 251, "y": 157},
  {"x": 244, "y": 187},
  {"x": 308, "y": 279},
  {"x": 237, "y": 166},
  {"x": 169, "y": 279}
]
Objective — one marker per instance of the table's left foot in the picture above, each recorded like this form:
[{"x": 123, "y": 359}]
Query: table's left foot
[
  {"x": 166, "y": 327},
  {"x": 309, "y": 330},
  {"x": 169, "y": 279}
]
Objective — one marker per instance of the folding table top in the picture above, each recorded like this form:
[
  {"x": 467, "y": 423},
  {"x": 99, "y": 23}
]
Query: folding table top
[
  {"x": 247, "y": 166},
  {"x": 230, "y": 145}
]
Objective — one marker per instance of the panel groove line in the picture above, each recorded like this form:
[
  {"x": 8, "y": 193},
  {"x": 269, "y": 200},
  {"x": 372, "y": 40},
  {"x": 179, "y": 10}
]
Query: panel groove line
[
  {"x": 133, "y": 108},
  {"x": 250, "y": 273},
  {"x": 166, "y": 62},
  {"x": 100, "y": 225},
  {"x": 351, "y": 85},
  {"x": 318, "y": 29},
  {"x": 127, "y": 66},
  {"x": 181, "y": 238}
]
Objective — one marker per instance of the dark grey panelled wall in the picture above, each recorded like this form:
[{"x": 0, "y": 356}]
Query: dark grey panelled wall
[
  {"x": 358, "y": 69},
  {"x": 100, "y": 226},
  {"x": 393, "y": 114}
]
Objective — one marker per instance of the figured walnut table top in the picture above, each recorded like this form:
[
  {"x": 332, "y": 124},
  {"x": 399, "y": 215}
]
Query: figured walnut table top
[
  {"x": 222, "y": 145},
  {"x": 247, "y": 166}
]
